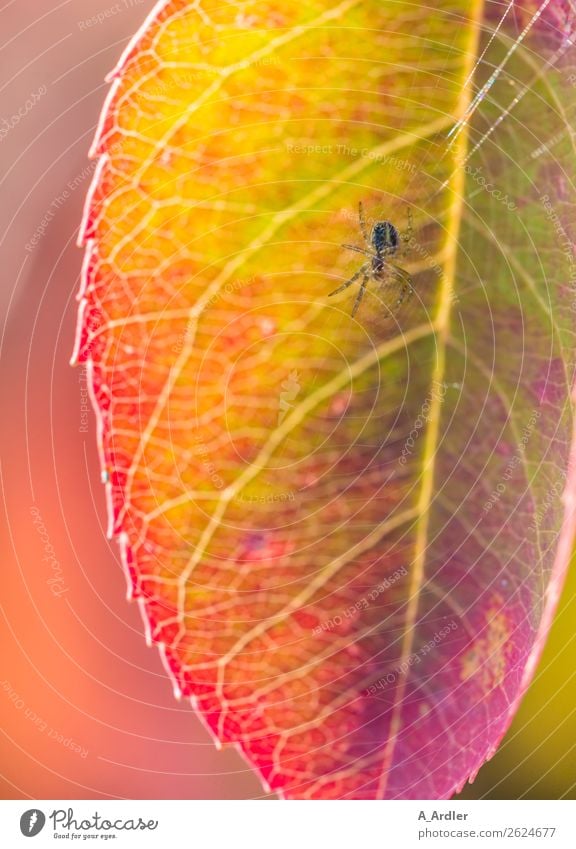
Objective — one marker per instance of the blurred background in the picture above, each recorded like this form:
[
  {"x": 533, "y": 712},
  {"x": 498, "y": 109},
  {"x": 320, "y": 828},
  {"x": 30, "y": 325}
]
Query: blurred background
[{"x": 86, "y": 710}]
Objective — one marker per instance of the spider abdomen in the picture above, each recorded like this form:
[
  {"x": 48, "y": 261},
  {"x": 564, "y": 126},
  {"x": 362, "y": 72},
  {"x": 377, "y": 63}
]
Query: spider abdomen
[{"x": 385, "y": 237}]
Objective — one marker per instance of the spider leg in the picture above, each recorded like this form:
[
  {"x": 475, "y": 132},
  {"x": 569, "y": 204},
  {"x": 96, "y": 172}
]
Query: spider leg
[
  {"x": 353, "y": 279},
  {"x": 400, "y": 273},
  {"x": 363, "y": 226},
  {"x": 405, "y": 290},
  {"x": 360, "y": 294},
  {"x": 406, "y": 287},
  {"x": 408, "y": 236},
  {"x": 359, "y": 250}
]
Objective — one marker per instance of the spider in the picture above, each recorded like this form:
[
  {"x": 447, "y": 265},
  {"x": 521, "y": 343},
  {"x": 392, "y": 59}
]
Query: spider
[{"x": 383, "y": 241}]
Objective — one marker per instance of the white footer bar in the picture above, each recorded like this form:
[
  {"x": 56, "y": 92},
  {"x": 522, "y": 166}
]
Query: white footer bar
[{"x": 289, "y": 825}]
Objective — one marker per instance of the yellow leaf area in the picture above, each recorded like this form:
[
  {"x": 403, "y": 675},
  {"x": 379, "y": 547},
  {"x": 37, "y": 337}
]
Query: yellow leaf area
[{"x": 251, "y": 429}]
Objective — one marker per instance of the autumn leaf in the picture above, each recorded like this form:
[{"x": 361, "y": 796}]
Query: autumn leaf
[{"x": 346, "y": 535}]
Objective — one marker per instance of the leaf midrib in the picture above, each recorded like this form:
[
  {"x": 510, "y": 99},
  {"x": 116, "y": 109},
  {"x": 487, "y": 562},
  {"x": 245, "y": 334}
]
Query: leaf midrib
[{"x": 456, "y": 186}]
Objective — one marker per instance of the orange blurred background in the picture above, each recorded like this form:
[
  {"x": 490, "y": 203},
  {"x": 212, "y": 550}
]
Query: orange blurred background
[{"x": 86, "y": 710}]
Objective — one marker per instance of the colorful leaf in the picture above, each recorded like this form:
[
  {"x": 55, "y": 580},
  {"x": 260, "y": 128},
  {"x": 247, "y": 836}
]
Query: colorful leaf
[{"x": 346, "y": 535}]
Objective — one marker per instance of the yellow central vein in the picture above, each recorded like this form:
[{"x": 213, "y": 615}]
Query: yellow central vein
[{"x": 456, "y": 186}]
